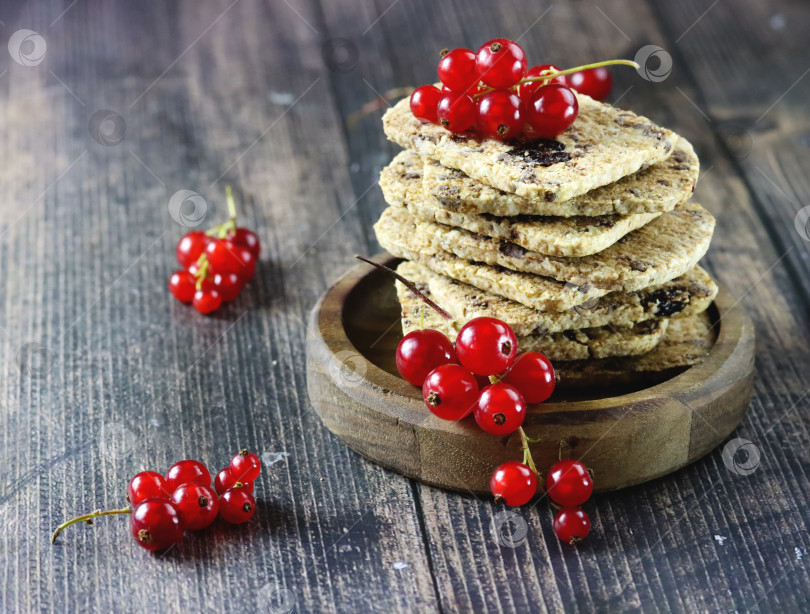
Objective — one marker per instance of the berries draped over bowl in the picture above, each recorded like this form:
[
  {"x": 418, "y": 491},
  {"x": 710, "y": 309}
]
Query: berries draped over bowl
[{"x": 494, "y": 93}]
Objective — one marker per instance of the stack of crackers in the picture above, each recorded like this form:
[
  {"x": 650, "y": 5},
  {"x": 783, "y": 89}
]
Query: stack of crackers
[{"x": 586, "y": 245}]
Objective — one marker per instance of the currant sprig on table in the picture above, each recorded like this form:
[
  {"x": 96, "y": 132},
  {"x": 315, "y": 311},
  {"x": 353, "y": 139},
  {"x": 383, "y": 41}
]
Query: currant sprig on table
[
  {"x": 163, "y": 507},
  {"x": 494, "y": 93},
  {"x": 484, "y": 375},
  {"x": 216, "y": 263}
]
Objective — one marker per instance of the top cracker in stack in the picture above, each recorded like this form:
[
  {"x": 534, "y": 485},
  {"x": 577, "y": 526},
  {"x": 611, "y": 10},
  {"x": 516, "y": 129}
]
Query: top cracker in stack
[{"x": 586, "y": 245}]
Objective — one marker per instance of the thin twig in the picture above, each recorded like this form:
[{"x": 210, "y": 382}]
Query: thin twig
[{"x": 410, "y": 285}]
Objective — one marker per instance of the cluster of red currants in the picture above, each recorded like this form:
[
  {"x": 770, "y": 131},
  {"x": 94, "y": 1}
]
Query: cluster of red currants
[
  {"x": 568, "y": 483},
  {"x": 495, "y": 93},
  {"x": 483, "y": 374},
  {"x": 163, "y": 507},
  {"x": 216, "y": 264}
]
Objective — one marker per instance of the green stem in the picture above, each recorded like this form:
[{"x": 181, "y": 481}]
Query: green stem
[
  {"x": 527, "y": 455},
  {"x": 570, "y": 71},
  {"x": 202, "y": 272},
  {"x": 88, "y": 518},
  {"x": 551, "y": 74},
  {"x": 232, "y": 204}
]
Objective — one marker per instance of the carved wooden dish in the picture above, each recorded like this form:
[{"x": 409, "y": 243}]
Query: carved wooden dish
[{"x": 625, "y": 436}]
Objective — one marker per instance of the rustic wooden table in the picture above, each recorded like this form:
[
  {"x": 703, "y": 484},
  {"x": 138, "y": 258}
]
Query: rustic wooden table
[{"x": 108, "y": 109}]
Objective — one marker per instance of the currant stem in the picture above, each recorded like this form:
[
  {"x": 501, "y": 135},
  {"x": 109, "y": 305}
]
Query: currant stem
[
  {"x": 551, "y": 74},
  {"x": 202, "y": 272},
  {"x": 88, "y": 518},
  {"x": 570, "y": 71},
  {"x": 232, "y": 204},
  {"x": 410, "y": 285},
  {"x": 527, "y": 454}
]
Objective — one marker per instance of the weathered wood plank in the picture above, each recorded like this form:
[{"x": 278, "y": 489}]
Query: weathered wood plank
[{"x": 137, "y": 380}]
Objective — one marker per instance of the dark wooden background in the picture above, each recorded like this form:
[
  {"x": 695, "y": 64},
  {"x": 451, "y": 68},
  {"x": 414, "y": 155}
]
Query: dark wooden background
[{"x": 104, "y": 374}]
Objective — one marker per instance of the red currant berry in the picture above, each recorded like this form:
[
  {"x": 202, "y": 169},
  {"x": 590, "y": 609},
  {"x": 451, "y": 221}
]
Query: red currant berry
[
  {"x": 458, "y": 70},
  {"x": 228, "y": 285},
  {"x": 450, "y": 392},
  {"x": 248, "y": 239},
  {"x": 513, "y": 483},
  {"x": 225, "y": 481},
  {"x": 187, "y": 471},
  {"x": 527, "y": 90},
  {"x": 206, "y": 301},
  {"x": 533, "y": 375},
  {"x": 237, "y": 505},
  {"x": 147, "y": 485},
  {"x": 425, "y": 103},
  {"x": 486, "y": 346},
  {"x": 552, "y": 109},
  {"x": 501, "y": 63},
  {"x": 594, "y": 82},
  {"x": 456, "y": 112},
  {"x": 245, "y": 466},
  {"x": 572, "y": 525},
  {"x": 569, "y": 483},
  {"x": 190, "y": 247},
  {"x": 225, "y": 256},
  {"x": 500, "y": 409},
  {"x": 420, "y": 352},
  {"x": 198, "y": 505},
  {"x": 156, "y": 524},
  {"x": 501, "y": 115},
  {"x": 182, "y": 285},
  {"x": 478, "y": 89}
]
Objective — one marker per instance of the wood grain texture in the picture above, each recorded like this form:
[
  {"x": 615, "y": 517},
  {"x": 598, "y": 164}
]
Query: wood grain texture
[{"x": 118, "y": 377}]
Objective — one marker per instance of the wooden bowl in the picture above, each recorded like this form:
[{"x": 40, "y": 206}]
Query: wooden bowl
[{"x": 625, "y": 437}]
